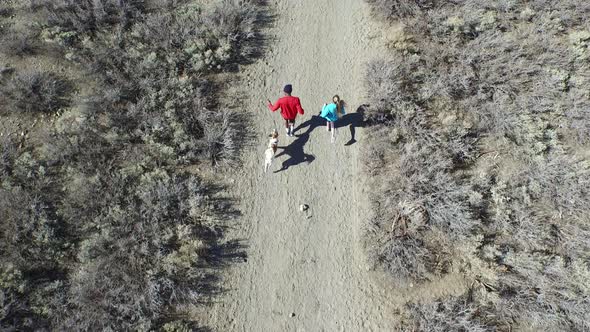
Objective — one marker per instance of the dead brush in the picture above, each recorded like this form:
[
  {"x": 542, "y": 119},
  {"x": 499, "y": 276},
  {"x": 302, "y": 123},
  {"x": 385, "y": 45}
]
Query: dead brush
[{"x": 409, "y": 219}]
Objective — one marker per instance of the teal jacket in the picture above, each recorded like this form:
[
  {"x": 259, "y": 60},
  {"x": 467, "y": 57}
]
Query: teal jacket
[{"x": 330, "y": 113}]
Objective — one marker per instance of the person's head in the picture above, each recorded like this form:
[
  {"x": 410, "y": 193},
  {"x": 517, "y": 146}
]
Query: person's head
[{"x": 288, "y": 89}]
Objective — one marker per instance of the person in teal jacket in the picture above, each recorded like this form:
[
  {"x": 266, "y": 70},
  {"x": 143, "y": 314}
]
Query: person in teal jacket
[{"x": 331, "y": 112}]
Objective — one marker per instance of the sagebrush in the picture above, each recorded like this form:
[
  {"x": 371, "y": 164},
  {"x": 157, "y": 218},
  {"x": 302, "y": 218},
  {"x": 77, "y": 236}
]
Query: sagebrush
[
  {"x": 103, "y": 227},
  {"x": 479, "y": 117}
]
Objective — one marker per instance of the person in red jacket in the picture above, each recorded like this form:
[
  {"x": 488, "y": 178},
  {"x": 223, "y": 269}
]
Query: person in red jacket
[{"x": 289, "y": 106}]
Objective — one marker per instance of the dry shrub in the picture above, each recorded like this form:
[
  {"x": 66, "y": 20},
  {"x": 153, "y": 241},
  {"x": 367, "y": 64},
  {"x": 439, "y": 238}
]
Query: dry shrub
[
  {"x": 32, "y": 241},
  {"x": 37, "y": 92},
  {"x": 546, "y": 292},
  {"x": 151, "y": 246},
  {"x": 100, "y": 228},
  {"x": 554, "y": 189},
  {"x": 421, "y": 192},
  {"x": 397, "y": 9},
  {"x": 540, "y": 224},
  {"x": 510, "y": 75},
  {"x": 7, "y": 156},
  {"x": 454, "y": 314},
  {"x": 87, "y": 16},
  {"x": 18, "y": 43},
  {"x": 157, "y": 70},
  {"x": 6, "y": 10}
]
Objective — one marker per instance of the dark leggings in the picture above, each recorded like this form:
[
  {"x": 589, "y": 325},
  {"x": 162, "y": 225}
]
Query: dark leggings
[{"x": 289, "y": 123}]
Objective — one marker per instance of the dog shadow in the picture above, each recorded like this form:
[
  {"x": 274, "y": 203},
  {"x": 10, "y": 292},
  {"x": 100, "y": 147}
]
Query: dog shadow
[
  {"x": 353, "y": 121},
  {"x": 295, "y": 150}
]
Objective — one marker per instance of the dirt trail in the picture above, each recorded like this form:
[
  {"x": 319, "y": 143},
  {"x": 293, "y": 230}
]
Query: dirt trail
[{"x": 309, "y": 264}]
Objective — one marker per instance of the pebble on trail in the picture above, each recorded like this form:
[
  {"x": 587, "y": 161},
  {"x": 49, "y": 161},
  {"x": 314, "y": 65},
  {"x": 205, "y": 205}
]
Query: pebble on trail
[{"x": 303, "y": 207}]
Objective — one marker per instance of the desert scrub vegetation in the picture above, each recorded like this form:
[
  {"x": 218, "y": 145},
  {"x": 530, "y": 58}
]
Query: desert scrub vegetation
[
  {"x": 104, "y": 227},
  {"x": 18, "y": 43},
  {"x": 478, "y": 155},
  {"x": 37, "y": 92}
]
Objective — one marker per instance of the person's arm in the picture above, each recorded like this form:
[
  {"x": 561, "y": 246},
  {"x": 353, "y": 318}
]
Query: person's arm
[
  {"x": 343, "y": 110},
  {"x": 325, "y": 111},
  {"x": 299, "y": 108},
  {"x": 274, "y": 107}
]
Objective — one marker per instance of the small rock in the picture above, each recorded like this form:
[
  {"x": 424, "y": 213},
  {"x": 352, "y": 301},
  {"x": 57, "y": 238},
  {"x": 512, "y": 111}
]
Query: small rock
[
  {"x": 303, "y": 207},
  {"x": 292, "y": 315}
]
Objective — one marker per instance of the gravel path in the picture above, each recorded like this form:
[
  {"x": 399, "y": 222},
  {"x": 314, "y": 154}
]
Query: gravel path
[{"x": 305, "y": 270}]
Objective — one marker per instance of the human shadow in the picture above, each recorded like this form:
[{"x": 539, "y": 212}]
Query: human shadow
[
  {"x": 295, "y": 150},
  {"x": 353, "y": 121}
]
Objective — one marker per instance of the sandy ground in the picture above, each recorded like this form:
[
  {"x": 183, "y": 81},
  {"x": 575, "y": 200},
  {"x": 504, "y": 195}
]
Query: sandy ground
[{"x": 305, "y": 271}]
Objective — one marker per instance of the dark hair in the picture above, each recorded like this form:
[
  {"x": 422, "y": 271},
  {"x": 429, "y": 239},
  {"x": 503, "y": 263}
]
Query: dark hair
[{"x": 339, "y": 104}]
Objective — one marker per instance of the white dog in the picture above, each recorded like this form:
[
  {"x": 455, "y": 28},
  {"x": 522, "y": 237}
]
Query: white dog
[{"x": 269, "y": 153}]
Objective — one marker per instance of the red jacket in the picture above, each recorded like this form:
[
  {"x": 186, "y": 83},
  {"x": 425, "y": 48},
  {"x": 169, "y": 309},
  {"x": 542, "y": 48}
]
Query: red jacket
[{"x": 289, "y": 106}]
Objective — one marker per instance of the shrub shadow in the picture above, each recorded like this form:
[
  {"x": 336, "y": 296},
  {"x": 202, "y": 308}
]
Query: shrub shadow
[
  {"x": 219, "y": 254},
  {"x": 257, "y": 46}
]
